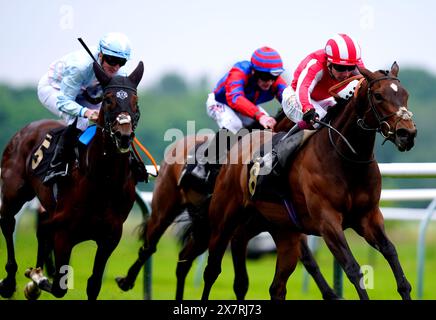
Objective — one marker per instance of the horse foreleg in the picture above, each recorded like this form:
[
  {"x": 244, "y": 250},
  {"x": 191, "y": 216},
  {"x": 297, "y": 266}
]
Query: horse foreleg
[
  {"x": 312, "y": 268},
  {"x": 335, "y": 239},
  {"x": 217, "y": 247},
  {"x": 62, "y": 253},
  {"x": 155, "y": 227},
  {"x": 7, "y": 285},
  {"x": 239, "y": 244},
  {"x": 192, "y": 249},
  {"x": 104, "y": 251},
  {"x": 288, "y": 252},
  {"x": 372, "y": 229}
]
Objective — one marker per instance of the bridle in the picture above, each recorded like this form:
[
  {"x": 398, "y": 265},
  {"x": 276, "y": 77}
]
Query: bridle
[
  {"x": 122, "y": 114},
  {"x": 383, "y": 126}
]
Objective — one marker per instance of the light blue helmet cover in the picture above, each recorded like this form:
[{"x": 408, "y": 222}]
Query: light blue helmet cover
[{"x": 115, "y": 44}]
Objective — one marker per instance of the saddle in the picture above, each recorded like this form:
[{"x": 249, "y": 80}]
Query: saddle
[{"x": 266, "y": 180}]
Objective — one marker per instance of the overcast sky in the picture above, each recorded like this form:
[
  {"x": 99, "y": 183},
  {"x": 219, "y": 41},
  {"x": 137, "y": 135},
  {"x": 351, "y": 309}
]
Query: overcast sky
[{"x": 202, "y": 37}]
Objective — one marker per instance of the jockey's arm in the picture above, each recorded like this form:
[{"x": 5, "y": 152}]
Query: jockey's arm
[
  {"x": 70, "y": 88},
  {"x": 235, "y": 96}
]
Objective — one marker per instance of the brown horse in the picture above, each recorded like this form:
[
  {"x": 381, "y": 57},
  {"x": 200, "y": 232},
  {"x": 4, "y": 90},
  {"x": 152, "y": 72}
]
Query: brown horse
[
  {"x": 92, "y": 202},
  {"x": 330, "y": 186},
  {"x": 170, "y": 200}
]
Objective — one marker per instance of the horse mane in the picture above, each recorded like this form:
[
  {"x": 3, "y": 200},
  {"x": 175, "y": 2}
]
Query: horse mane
[
  {"x": 342, "y": 103},
  {"x": 335, "y": 110}
]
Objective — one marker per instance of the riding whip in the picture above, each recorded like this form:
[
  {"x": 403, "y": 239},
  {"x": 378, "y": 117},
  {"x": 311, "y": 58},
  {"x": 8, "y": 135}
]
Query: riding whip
[{"x": 90, "y": 53}]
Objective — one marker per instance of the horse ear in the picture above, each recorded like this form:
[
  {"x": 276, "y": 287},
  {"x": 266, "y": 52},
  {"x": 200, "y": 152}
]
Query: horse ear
[
  {"x": 369, "y": 76},
  {"x": 101, "y": 76},
  {"x": 395, "y": 69},
  {"x": 136, "y": 75}
]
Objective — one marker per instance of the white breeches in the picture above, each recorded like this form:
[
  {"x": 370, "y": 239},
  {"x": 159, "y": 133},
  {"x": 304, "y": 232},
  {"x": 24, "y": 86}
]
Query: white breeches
[
  {"x": 293, "y": 109},
  {"x": 226, "y": 117}
]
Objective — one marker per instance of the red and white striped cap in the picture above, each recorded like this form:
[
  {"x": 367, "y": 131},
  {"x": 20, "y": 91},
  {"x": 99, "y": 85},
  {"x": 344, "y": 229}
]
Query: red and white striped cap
[{"x": 342, "y": 49}]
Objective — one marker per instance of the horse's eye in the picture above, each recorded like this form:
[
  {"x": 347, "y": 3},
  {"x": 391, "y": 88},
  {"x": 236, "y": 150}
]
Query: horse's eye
[
  {"x": 378, "y": 96},
  {"x": 107, "y": 100}
]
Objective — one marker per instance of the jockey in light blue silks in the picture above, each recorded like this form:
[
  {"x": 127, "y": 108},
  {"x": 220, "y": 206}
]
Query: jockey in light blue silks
[{"x": 70, "y": 89}]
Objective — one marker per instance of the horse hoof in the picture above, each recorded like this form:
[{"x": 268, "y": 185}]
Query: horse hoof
[
  {"x": 6, "y": 291},
  {"x": 28, "y": 272},
  {"x": 122, "y": 284},
  {"x": 32, "y": 291}
]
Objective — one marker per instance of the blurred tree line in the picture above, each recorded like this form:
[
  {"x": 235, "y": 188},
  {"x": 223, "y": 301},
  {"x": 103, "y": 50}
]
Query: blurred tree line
[{"x": 173, "y": 101}]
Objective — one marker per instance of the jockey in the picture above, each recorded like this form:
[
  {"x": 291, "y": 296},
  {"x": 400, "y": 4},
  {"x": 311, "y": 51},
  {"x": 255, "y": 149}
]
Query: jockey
[
  {"x": 308, "y": 98},
  {"x": 318, "y": 72},
  {"x": 70, "y": 90},
  {"x": 235, "y": 101}
]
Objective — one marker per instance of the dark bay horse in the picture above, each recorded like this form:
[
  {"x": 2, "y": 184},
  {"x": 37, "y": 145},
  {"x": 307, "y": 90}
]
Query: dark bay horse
[
  {"x": 170, "y": 200},
  {"x": 92, "y": 202},
  {"x": 331, "y": 187}
]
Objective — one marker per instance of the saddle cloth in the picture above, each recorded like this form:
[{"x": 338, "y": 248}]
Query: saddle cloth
[{"x": 44, "y": 152}]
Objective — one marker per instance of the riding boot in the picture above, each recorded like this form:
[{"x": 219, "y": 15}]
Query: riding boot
[
  {"x": 58, "y": 166},
  {"x": 200, "y": 172},
  {"x": 207, "y": 162},
  {"x": 275, "y": 160}
]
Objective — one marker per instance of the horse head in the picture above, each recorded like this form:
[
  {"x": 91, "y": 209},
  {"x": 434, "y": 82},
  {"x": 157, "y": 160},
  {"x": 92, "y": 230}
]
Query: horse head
[
  {"x": 119, "y": 113},
  {"x": 388, "y": 113}
]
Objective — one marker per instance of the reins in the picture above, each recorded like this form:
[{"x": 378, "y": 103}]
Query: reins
[
  {"x": 360, "y": 121},
  {"x": 144, "y": 149}
]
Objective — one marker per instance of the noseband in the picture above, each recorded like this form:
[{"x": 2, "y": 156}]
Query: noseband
[{"x": 402, "y": 113}]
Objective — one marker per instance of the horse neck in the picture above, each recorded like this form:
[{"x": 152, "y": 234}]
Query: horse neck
[
  {"x": 361, "y": 140},
  {"x": 103, "y": 161}
]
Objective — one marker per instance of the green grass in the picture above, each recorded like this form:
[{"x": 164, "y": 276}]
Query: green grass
[{"x": 402, "y": 234}]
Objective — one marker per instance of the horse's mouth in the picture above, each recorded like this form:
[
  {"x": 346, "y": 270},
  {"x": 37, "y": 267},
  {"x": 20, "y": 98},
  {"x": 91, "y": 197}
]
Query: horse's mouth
[
  {"x": 122, "y": 148},
  {"x": 405, "y": 139},
  {"x": 123, "y": 143}
]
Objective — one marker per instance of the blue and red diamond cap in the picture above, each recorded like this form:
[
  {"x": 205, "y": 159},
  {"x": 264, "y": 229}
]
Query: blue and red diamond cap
[{"x": 266, "y": 59}]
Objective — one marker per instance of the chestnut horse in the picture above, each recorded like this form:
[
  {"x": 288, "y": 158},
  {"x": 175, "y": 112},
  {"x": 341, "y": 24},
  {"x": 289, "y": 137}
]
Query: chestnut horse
[
  {"x": 330, "y": 186},
  {"x": 92, "y": 203},
  {"x": 170, "y": 200}
]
